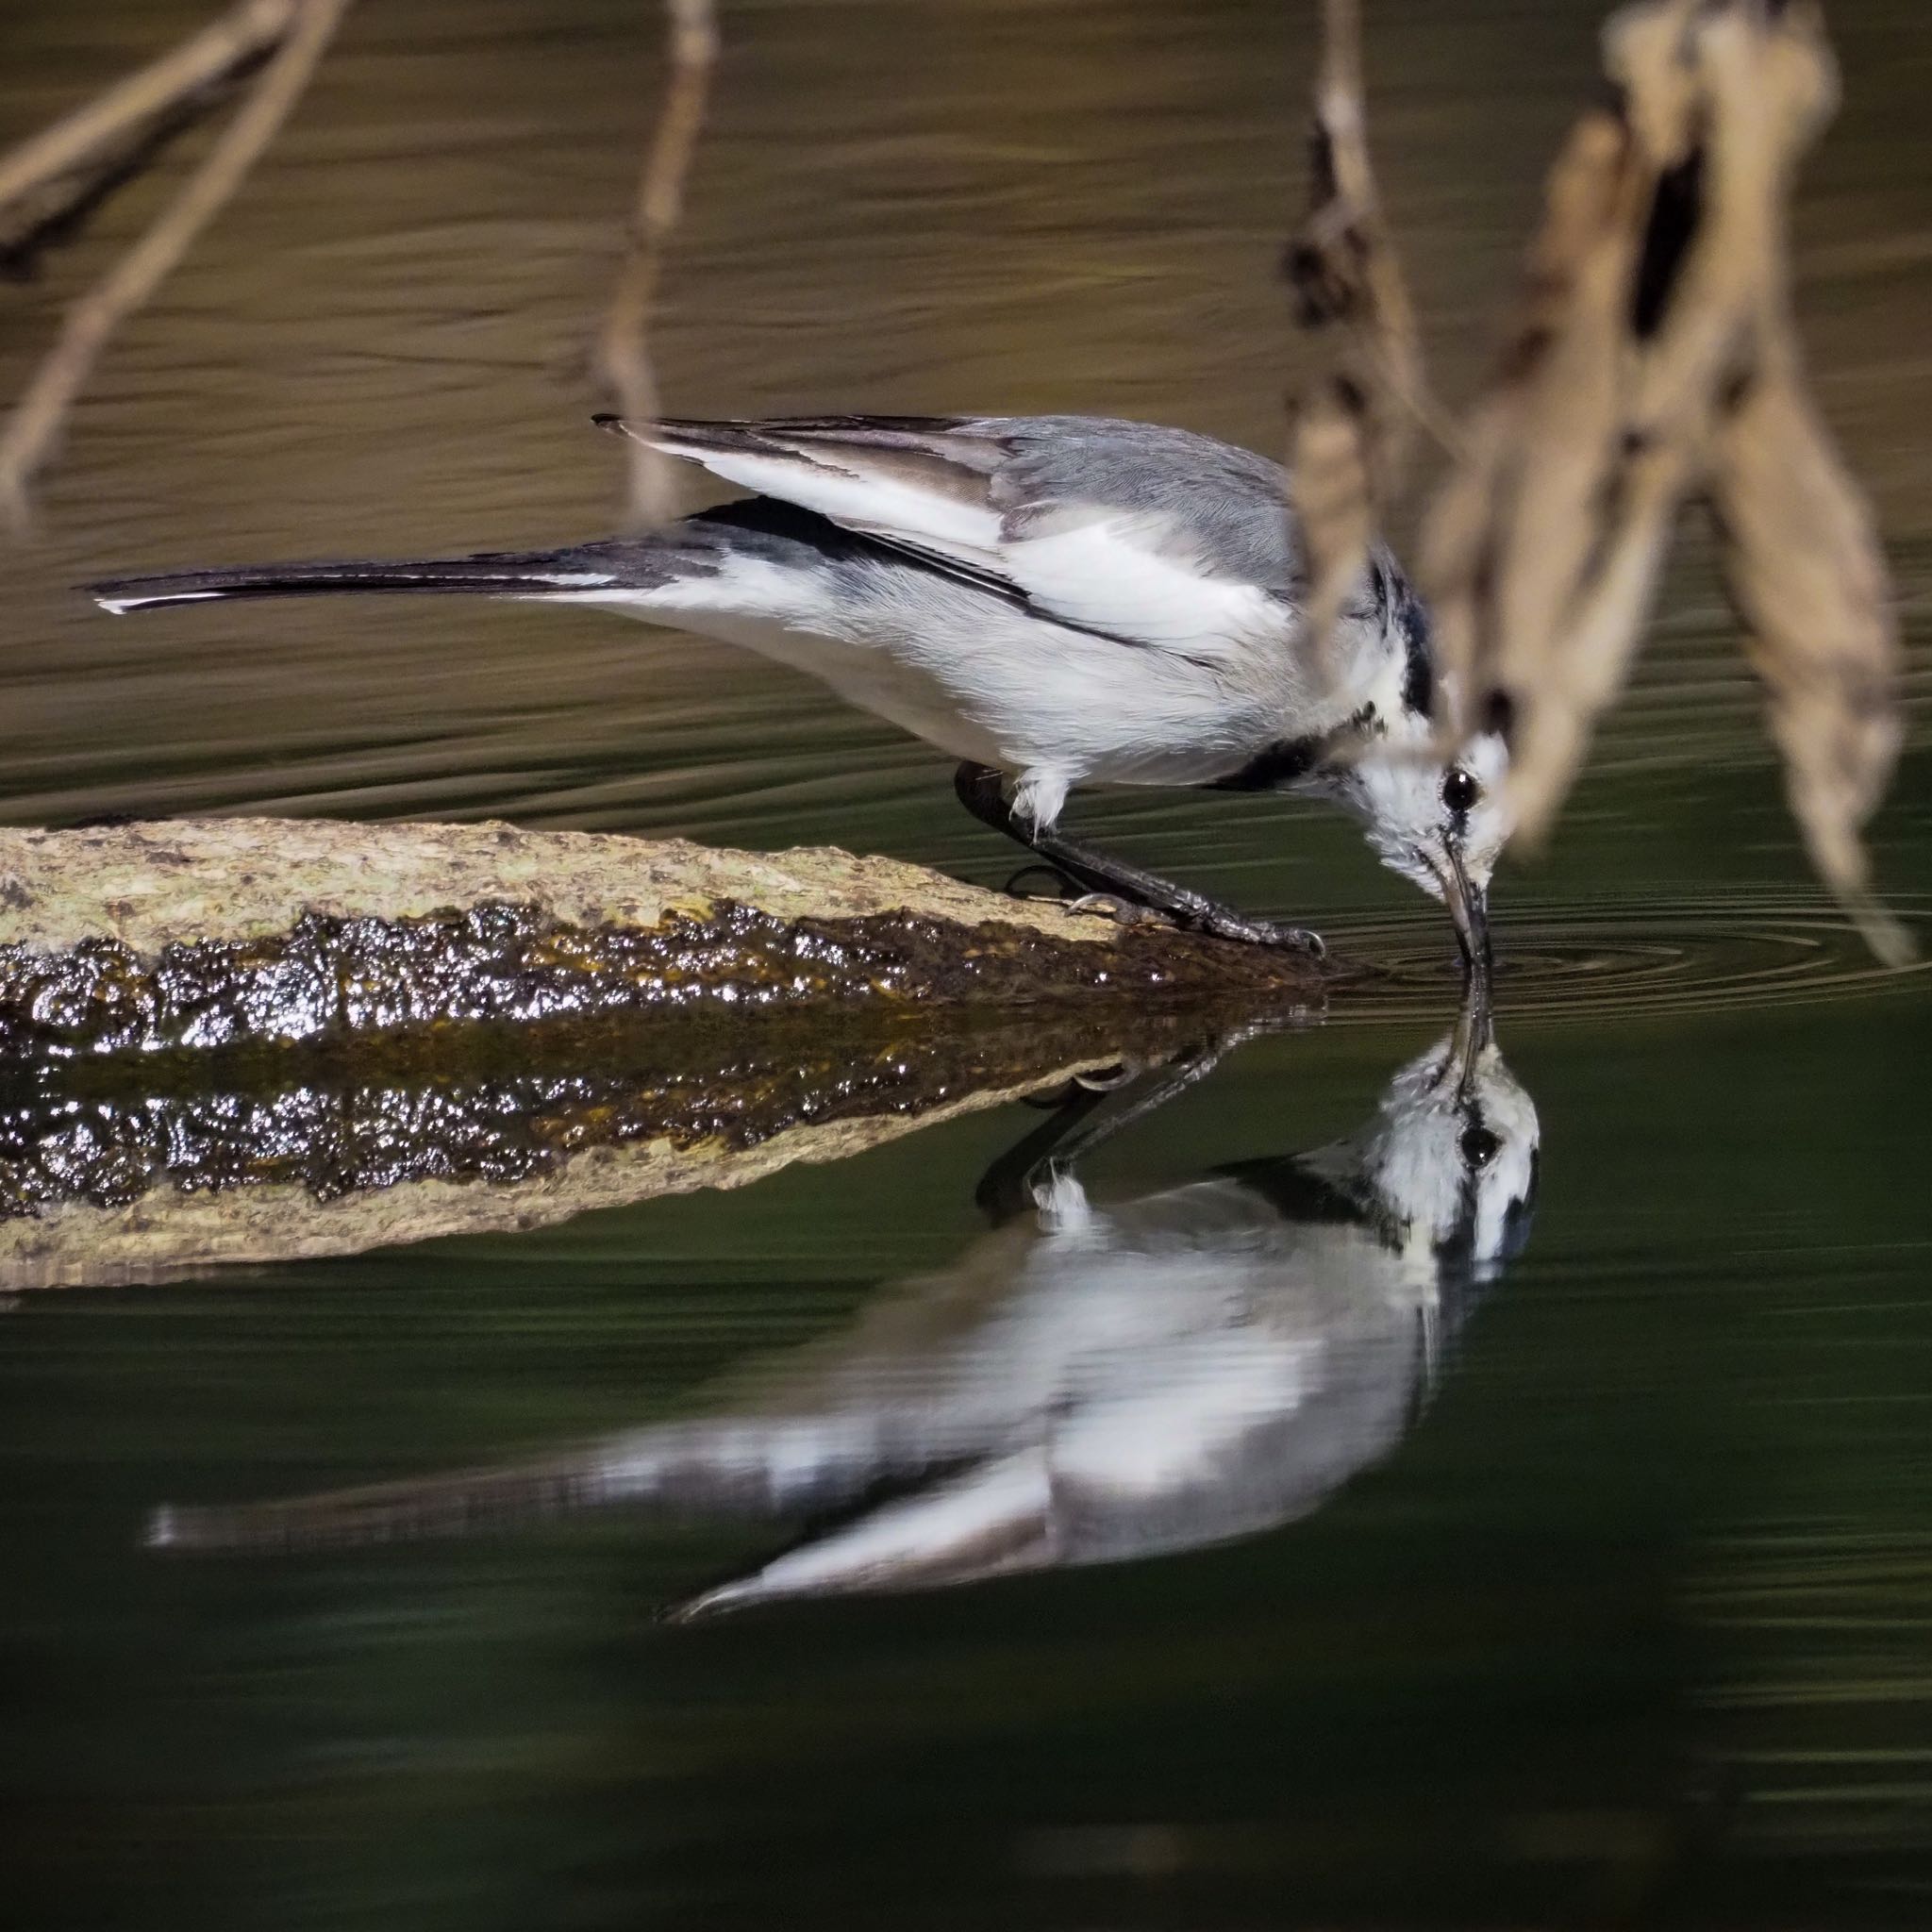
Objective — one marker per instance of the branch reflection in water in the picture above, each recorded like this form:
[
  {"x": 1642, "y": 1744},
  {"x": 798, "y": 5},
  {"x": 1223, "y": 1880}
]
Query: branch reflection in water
[{"x": 1089, "y": 1382}]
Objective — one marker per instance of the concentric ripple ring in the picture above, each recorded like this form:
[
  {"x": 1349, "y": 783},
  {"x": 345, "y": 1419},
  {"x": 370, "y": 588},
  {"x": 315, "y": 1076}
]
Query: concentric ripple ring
[{"x": 1629, "y": 957}]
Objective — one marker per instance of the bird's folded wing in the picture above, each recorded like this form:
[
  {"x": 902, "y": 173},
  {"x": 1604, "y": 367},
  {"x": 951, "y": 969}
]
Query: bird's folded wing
[
  {"x": 993, "y": 1519},
  {"x": 1156, "y": 536}
]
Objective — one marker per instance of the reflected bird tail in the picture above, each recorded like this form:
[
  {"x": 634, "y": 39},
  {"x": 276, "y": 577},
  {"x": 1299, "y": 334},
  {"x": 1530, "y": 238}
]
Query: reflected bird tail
[
  {"x": 730, "y": 1465},
  {"x": 464, "y": 1502}
]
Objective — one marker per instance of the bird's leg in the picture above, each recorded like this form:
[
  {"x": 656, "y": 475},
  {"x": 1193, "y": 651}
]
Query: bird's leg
[
  {"x": 982, "y": 794},
  {"x": 1094, "y": 1114}
]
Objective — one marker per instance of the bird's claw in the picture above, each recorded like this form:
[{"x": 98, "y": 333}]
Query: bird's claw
[
  {"x": 1298, "y": 938},
  {"x": 1191, "y": 915},
  {"x": 1266, "y": 932},
  {"x": 1122, "y": 912}
]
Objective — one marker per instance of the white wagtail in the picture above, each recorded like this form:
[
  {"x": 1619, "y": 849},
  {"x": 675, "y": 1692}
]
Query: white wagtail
[
  {"x": 1056, "y": 600},
  {"x": 1097, "y": 1379}
]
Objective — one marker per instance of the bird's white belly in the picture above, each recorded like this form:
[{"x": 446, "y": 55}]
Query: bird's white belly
[
  {"x": 866, "y": 675},
  {"x": 979, "y": 678}
]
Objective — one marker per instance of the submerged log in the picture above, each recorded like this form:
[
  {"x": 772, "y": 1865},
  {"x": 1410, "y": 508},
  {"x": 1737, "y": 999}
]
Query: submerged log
[{"x": 227, "y": 932}]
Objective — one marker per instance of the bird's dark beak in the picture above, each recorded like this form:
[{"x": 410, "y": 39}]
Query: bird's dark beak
[
  {"x": 1475, "y": 1030},
  {"x": 1469, "y": 907}
]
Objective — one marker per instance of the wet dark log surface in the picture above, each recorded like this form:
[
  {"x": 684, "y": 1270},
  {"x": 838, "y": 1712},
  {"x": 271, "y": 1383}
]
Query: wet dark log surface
[
  {"x": 210, "y": 933},
  {"x": 112, "y": 1174}
]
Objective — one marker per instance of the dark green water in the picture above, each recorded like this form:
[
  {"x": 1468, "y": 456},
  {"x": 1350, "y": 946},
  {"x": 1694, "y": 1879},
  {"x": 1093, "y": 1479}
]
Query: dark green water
[{"x": 1631, "y": 1624}]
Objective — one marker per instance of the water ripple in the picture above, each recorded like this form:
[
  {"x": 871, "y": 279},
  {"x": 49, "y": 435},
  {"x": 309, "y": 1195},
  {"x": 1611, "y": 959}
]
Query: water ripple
[{"x": 1583, "y": 959}]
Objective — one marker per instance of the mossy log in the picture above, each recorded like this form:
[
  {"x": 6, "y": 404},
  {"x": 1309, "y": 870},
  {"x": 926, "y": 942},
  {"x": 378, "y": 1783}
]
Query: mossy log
[
  {"x": 242, "y": 1041},
  {"x": 225, "y": 932}
]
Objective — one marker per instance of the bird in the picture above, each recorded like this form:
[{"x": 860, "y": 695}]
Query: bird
[
  {"x": 1090, "y": 1381},
  {"x": 1053, "y": 601}
]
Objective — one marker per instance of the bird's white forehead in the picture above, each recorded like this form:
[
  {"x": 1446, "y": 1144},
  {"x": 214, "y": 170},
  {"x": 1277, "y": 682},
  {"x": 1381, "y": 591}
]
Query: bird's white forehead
[{"x": 1398, "y": 790}]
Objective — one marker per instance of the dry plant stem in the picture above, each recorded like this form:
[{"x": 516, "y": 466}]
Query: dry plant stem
[
  {"x": 1352, "y": 427},
  {"x": 1802, "y": 557},
  {"x": 1656, "y": 360},
  {"x": 1524, "y": 537},
  {"x": 120, "y": 113},
  {"x": 624, "y": 356},
  {"x": 35, "y": 424},
  {"x": 1809, "y": 579},
  {"x": 45, "y": 217}
]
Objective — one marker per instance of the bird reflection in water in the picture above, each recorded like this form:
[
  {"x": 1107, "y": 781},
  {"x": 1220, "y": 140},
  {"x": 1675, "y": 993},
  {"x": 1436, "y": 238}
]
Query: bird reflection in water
[{"x": 1089, "y": 1383}]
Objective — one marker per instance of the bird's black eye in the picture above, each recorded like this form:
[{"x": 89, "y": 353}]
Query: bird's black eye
[
  {"x": 1479, "y": 1146},
  {"x": 1460, "y": 792}
]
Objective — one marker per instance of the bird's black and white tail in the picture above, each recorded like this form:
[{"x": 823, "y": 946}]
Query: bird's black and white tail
[
  {"x": 641, "y": 564},
  {"x": 624, "y": 570},
  {"x": 505, "y": 574}
]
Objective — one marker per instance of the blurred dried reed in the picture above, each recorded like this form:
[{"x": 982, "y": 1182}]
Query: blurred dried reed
[
  {"x": 1654, "y": 362},
  {"x": 624, "y": 364},
  {"x": 97, "y": 138},
  {"x": 1351, "y": 427},
  {"x": 49, "y": 183}
]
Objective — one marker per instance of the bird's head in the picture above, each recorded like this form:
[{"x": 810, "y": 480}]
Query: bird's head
[{"x": 1442, "y": 825}]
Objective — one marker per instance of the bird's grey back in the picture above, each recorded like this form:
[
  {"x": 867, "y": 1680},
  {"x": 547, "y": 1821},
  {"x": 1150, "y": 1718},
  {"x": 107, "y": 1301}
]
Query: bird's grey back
[
  {"x": 1226, "y": 507},
  {"x": 1221, "y": 507}
]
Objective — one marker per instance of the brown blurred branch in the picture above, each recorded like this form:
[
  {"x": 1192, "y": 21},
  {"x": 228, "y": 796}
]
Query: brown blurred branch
[
  {"x": 34, "y": 428},
  {"x": 45, "y": 180},
  {"x": 1352, "y": 426},
  {"x": 624, "y": 364}
]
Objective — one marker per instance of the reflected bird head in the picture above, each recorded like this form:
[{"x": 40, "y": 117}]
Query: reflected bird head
[{"x": 1452, "y": 1155}]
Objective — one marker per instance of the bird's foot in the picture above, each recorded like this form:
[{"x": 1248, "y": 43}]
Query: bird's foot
[
  {"x": 1223, "y": 925},
  {"x": 1058, "y": 886},
  {"x": 1217, "y": 921},
  {"x": 1165, "y": 904},
  {"x": 1122, "y": 912},
  {"x": 1066, "y": 893}
]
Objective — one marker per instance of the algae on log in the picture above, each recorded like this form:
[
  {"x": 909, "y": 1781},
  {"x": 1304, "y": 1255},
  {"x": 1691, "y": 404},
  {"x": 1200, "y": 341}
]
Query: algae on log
[{"x": 225, "y": 932}]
